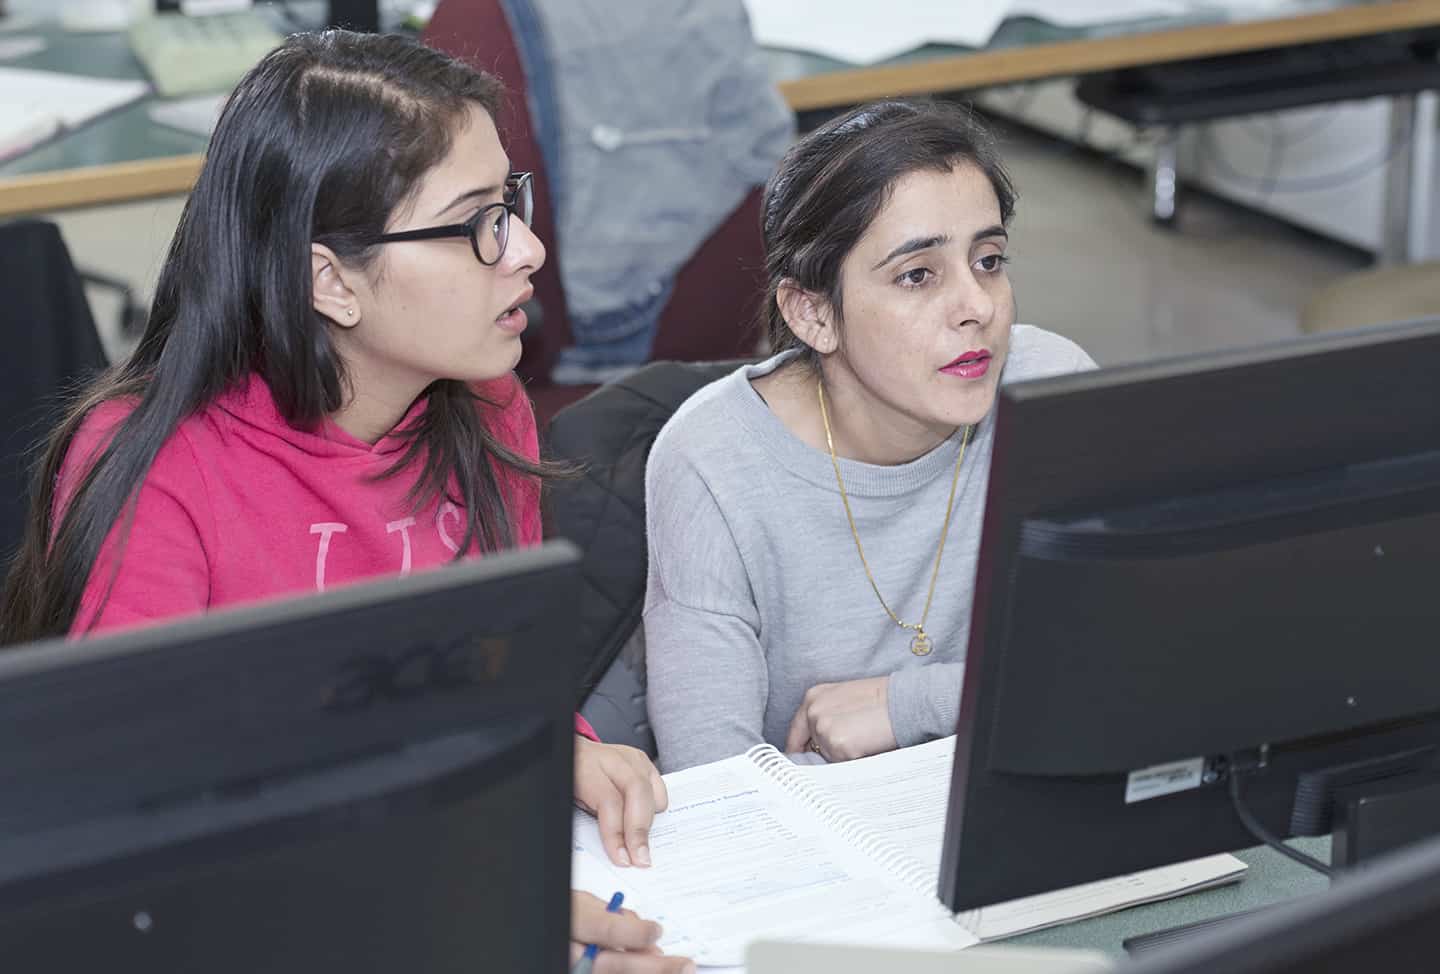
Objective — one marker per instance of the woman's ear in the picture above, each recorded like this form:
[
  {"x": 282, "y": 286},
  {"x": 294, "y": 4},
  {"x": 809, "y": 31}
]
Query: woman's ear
[
  {"x": 808, "y": 315},
  {"x": 332, "y": 294}
]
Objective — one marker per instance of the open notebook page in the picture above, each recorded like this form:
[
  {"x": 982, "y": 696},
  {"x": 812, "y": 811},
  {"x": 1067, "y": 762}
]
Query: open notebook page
[
  {"x": 738, "y": 858},
  {"x": 904, "y": 794}
]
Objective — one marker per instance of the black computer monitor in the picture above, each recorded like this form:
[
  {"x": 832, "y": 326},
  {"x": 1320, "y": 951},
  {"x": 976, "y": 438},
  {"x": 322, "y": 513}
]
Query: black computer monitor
[
  {"x": 1213, "y": 571},
  {"x": 373, "y": 779},
  {"x": 359, "y": 15},
  {"x": 1385, "y": 917}
]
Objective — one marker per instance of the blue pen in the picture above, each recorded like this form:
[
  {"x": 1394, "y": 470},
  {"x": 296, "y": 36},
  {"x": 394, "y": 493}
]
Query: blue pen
[{"x": 587, "y": 959}]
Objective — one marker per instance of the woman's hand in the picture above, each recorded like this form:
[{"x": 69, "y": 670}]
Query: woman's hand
[
  {"x": 843, "y": 721},
  {"x": 620, "y": 787},
  {"x": 626, "y": 942}
]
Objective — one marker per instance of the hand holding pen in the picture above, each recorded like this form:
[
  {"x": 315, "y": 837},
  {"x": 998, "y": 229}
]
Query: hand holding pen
[{"x": 608, "y": 940}]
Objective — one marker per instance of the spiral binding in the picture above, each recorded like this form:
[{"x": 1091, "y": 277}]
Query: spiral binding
[{"x": 781, "y": 770}]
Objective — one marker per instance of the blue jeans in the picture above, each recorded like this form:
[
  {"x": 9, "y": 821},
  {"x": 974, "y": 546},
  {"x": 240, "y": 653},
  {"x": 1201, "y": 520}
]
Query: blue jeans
[{"x": 612, "y": 342}]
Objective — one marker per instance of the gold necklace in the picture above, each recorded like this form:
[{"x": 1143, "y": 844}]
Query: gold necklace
[{"x": 920, "y": 645}]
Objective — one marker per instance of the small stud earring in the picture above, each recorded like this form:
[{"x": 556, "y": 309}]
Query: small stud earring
[{"x": 349, "y": 312}]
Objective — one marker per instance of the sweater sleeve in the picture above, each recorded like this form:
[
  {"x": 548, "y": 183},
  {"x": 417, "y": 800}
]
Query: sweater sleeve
[
  {"x": 153, "y": 564},
  {"x": 583, "y": 728},
  {"x": 708, "y": 680},
  {"x": 924, "y": 702}
]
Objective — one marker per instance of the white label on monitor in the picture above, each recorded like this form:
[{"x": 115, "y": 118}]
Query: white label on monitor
[{"x": 1163, "y": 779}]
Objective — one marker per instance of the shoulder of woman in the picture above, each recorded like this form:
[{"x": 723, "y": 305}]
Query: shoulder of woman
[
  {"x": 1036, "y": 353},
  {"x": 708, "y": 422},
  {"x": 95, "y": 433},
  {"x": 176, "y": 463}
]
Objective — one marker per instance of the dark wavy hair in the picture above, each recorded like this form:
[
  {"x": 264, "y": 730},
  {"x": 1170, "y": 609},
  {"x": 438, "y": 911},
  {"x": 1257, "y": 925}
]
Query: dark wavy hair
[
  {"x": 320, "y": 142},
  {"x": 834, "y": 182}
]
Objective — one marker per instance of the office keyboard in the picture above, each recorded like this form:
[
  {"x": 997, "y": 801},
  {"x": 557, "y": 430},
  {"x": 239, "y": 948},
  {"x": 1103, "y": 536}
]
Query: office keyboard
[{"x": 186, "y": 55}]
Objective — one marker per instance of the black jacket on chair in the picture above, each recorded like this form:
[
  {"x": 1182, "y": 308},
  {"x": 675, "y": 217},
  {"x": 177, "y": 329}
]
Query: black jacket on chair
[
  {"x": 602, "y": 512},
  {"x": 50, "y": 344}
]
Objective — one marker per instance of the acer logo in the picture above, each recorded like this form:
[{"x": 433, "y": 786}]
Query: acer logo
[{"x": 365, "y": 680}]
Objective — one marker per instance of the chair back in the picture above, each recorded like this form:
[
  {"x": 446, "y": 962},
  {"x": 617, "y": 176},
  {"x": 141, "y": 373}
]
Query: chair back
[
  {"x": 50, "y": 345},
  {"x": 602, "y": 512}
]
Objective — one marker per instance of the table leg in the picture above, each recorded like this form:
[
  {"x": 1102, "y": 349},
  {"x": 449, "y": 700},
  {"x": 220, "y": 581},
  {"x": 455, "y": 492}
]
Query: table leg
[
  {"x": 1395, "y": 243},
  {"x": 1163, "y": 180}
]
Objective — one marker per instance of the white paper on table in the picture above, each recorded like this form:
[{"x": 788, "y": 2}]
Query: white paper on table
[
  {"x": 906, "y": 793},
  {"x": 864, "y": 32},
  {"x": 23, "y": 127},
  {"x": 1094, "y": 13},
  {"x": 69, "y": 100},
  {"x": 37, "y": 105},
  {"x": 737, "y": 859}
]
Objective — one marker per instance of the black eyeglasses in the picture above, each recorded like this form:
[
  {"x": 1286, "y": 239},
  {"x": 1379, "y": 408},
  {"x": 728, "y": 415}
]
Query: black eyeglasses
[{"x": 488, "y": 230}]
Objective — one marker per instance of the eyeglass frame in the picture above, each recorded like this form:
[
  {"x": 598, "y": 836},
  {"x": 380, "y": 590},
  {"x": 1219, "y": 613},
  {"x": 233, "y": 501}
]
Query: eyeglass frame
[{"x": 519, "y": 196}]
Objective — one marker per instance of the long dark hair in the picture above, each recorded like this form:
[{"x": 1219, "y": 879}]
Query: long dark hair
[
  {"x": 318, "y": 143},
  {"x": 833, "y": 183}
]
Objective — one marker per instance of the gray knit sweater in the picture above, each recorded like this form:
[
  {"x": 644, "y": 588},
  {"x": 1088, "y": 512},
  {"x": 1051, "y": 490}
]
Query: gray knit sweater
[{"x": 755, "y": 590}]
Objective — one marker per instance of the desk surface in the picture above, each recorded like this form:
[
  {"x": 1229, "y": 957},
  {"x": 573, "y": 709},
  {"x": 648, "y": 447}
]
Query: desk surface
[
  {"x": 120, "y": 156},
  {"x": 125, "y": 156},
  {"x": 1271, "y": 878}
]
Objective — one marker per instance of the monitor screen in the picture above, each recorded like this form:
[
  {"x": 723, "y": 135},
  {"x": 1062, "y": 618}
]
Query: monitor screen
[
  {"x": 1210, "y": 570},
  {"x": 373, "y": 779}
]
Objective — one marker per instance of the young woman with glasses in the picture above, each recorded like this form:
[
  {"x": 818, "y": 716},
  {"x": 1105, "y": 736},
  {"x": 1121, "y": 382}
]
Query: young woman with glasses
[{"x": 323, "y": 392}]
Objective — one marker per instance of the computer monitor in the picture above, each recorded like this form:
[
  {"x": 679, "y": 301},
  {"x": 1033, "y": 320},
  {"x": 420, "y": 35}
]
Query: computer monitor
[
  {"x": 373, "y": 779},
  {"x": 1194, "y": 574},
  {"x": 361, "y": 15},
  {"x": 1385, "y": 917}
]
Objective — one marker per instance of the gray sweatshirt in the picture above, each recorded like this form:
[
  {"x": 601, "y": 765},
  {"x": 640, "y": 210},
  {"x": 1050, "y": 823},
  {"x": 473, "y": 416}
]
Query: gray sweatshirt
[{"x": 755, "y": 590}]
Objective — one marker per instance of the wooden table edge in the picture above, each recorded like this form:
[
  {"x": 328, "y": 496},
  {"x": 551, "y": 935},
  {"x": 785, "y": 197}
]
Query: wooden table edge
[
  {"x": 1034, "y": 62},
  {"x": 92, "y": 185}
]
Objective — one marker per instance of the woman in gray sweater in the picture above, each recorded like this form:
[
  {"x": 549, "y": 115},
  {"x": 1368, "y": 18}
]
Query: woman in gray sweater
[{"x": 814, "y": 520}]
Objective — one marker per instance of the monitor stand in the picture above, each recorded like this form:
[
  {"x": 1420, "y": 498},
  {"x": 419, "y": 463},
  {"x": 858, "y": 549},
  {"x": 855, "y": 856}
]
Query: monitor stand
[
  {"x": 1381, "y": 816},
  {"x": 1370, "y": 820}
]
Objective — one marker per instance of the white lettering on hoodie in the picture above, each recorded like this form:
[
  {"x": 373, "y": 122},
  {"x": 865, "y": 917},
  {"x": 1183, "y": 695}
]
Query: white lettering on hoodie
[
  {"x": 325, "y": 529},
  {"x": 403, "y": 526},
  {"x": 448, "y": 509}
]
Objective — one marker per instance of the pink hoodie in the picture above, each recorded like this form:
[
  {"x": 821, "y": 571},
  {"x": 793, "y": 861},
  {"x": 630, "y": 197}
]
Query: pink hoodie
[{"x": 240, "y": 506}]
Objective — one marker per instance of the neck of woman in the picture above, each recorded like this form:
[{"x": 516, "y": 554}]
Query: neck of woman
[
  {"x": 870, "y": 430},
  {"x": 373, "y": 408}
]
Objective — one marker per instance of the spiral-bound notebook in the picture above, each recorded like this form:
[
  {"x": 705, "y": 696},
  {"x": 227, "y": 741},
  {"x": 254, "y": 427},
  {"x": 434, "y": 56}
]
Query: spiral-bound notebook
[{"x": 755, "y": 847}]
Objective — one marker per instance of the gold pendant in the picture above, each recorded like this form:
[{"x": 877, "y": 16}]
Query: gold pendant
[{"x": 921, "y": 645}]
